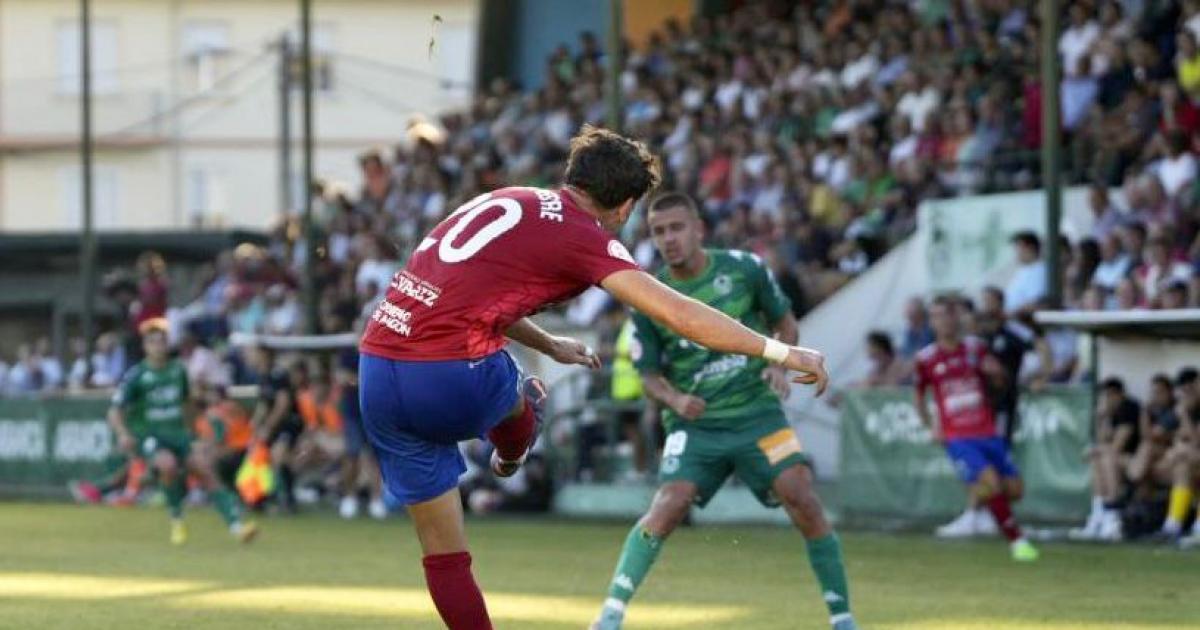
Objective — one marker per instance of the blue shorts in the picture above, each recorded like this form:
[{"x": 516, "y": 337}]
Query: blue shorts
[
  {"x": 352, "y": 424},
  {"x": 971, "y": 456},
  {"x": 416, "y": 412}
]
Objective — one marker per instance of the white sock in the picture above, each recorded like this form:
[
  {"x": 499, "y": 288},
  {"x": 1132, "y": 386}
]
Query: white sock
[
  {"x": 1172, "y": 526},
  {"x": 836, "y": 619},
  {"x": 1097, "y": 504}
]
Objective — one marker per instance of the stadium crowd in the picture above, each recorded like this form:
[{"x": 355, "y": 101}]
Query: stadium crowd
[{"x": 809, "y": 134}]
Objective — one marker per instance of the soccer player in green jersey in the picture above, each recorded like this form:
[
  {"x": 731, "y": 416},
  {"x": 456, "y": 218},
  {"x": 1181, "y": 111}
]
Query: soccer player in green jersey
[
  {"x": 722, "y": 412},
  {"x": 150, "y": 414}
]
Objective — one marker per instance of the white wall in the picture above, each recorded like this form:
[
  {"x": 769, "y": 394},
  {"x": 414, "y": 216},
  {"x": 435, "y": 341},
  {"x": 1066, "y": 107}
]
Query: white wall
[{"x": 383, "y": 73}]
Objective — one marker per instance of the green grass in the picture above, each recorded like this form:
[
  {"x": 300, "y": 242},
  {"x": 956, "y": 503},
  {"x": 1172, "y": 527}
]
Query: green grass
[{"x": 74, "y": 567}]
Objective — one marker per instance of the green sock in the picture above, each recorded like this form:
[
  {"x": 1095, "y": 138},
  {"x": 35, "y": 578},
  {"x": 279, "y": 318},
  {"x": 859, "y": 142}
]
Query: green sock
[
  {"x": 638, "y": 555},
  {"x": 825, "y": 556},
  {"x": 227, "y": 505},
  {"x": 175, "y": 492}
]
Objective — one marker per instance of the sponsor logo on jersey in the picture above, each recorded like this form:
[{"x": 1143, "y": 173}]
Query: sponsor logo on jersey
[
  {"x": 722, "y": 284},
  {"x": 411, "y": 286},
  {"x": 721, "y": 366},
  {"x": 393, "y": 318},
  {"x": 618, "y": 251}
]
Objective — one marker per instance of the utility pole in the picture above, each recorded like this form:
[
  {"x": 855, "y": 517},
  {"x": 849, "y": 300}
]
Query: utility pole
[
  {"x": 1051, "y": 149},
  {"x": 286, "y": 202},
  {"x": 613, "y": 74},
  {"x": 310, "y": 245},
  {"x": 87, "y": 249}
]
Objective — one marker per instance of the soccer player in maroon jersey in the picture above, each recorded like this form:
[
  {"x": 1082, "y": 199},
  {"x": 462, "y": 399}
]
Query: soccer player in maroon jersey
[
  {"x": 434, "y": 371},
  {"x": 957, "y": 369}
]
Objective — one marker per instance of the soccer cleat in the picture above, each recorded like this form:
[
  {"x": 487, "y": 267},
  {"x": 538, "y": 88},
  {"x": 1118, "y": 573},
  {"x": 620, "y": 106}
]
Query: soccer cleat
[
  {"x": 244, "y": 532},
  {"x": 85, "y": 492},
  {"x": 1190, "y": 542},
  {"x": 178, "y": 532},
  {"x": 1090, "y": 529},
  {"x": 377, "y": 509},
  {"x": 843, "y": 622},
  {"x": 1024, "y": 551},
  {"x": 348, "y": 508},
  {"x": 961, "y": 527},
  {"x": 611, "y": 618},
  {"x": 535, "y": 395}
]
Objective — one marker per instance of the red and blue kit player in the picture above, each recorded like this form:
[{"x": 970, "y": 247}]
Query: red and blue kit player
[
  {"x": 957, "y": 369},
  {"x": 434, "y": 371}
]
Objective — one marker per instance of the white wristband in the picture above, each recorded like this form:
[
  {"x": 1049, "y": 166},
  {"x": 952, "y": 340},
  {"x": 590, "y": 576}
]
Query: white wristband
[{"x": 776, "y": 351}]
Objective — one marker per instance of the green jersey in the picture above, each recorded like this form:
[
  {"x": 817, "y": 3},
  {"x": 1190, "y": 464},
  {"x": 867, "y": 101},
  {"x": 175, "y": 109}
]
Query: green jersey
[
  {"x": 153, "y": 400},
  {"x": 737, "y": 284}
]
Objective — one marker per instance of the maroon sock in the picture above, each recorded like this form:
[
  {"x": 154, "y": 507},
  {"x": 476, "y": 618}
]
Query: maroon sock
[
  {"x": 1002, "y": 512},
  {"x": 454, "y": 591},
  {"x": 512, "y": 436}
]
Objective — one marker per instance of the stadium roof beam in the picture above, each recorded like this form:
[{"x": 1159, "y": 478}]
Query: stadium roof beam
[{"x": 1170, "y": 324}]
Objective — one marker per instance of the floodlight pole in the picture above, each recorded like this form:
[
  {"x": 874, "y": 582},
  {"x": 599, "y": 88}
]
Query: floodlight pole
[
  {"x": 310, "y": 245},
  {"x": 1051, "y": 149},
  {"x": 87, "y": 253},
  {"x": 613, "y": 74}
]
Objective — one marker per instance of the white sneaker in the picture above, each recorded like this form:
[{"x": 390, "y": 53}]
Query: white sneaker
[
  {"x": 1090, "y": 529},
  {"x": 1110, "y": 527},
  {"x": 961, "y": 527},
  {"x": 377, "y": 509},
  {"x": 306, "y": 496},
  {"x": 985, "y": 523},
  {"x": 348, "y": 507}
]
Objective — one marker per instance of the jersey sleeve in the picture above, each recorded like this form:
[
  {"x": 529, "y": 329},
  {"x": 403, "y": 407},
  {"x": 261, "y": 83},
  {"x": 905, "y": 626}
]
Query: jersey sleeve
[
  {"x": 593, "y": 256},
  {"x": 127, "y": 391},
  {"x": 646, "y": 349},
  {"x": 767, "y": 293}
]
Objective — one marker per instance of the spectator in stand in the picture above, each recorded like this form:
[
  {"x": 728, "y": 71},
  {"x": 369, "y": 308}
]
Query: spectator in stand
[
  {"x": 1076, "y": 40},
  {"x": 887, "y": 370},
  {"x": 917, "y": 331},
  {"x": 105, "y": 368},
  {"x": 151, "y": 288},
  {"x": 379, "y": 193},
  {"x": 282, "y": 311},
  {"x": 1028, "y": 283},
  {"x": 1114, "y": 266},
  {"x": 1159, "y": 271},
  {"x": 1105, "y": 216},
  {"x": 322, "y": 443},
  {"x": 1116, "y": 440},
  {"x": 1177, "y": 170}
]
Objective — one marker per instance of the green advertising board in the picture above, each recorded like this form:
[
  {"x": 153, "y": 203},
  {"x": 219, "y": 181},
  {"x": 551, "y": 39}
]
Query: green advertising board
[
  {"x": 46, "y": 443},
  {"x": 891, "y": 469}
]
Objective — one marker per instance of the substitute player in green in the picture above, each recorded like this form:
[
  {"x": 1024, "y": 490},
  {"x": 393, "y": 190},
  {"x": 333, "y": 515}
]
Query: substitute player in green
[
  {"x": 150, "y": 414},
  {"x": 722, "y": 412}
]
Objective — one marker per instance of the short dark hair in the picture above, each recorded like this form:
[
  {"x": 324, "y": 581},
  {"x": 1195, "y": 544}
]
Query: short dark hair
[
  {"x": 881, "y": 340},
  {"x": 1113, "y": 384},
  {"x": 1186, "y": 376},
  {"x": 1026, "y": 237},
  {"x": 994, "y": 291},
  {"x": 945, "y": 300},
  {"x": 1161, "y": 379},
  {"x": 610, "y": 168},
  {"x": 672, "y": 199}
]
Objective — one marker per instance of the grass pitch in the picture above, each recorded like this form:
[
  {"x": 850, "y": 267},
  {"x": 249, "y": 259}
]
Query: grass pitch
[{"x": 81, "y": 568}]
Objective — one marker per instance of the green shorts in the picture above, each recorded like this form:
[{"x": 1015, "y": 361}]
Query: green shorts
[
  {"x": 757, "y": 455},
  {"x": 177, "y": 442}
]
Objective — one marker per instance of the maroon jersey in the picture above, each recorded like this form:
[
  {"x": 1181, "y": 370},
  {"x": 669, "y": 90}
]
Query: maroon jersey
[
  {"x": 496, "y": 259},
  {"x": 959, "y": 388}
]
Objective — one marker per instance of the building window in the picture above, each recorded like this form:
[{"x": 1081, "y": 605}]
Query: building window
[
  {"x": 204, "y": 189},
  {"x": 205, "y": 51},
  {"x": 323, "y": 54},
  {"x": 105, "y": 196},
  {"x": 104, "y": 57}
]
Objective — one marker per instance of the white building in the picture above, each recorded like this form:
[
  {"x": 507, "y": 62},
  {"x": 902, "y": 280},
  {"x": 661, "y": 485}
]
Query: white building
[{"x": 187, "y": 101}]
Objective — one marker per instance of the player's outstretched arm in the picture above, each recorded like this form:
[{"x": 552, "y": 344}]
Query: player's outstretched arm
[
  {"x": 562, "y": 349},
  {"x": 709, "y": 327}
]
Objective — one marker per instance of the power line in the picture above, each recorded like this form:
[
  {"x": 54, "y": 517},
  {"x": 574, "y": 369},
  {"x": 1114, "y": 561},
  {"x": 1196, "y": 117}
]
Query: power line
[
  {"x": 162, "y": 65},
  {"x": 186, "y": 102},
  {"x": 379, "y": 99},
  {"x": 258, "y": 82},
  {"x": 400, "y": 70}
]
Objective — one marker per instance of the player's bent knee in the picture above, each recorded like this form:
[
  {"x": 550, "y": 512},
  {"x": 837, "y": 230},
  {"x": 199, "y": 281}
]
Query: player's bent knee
[{"x": 669, "y": 508}]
